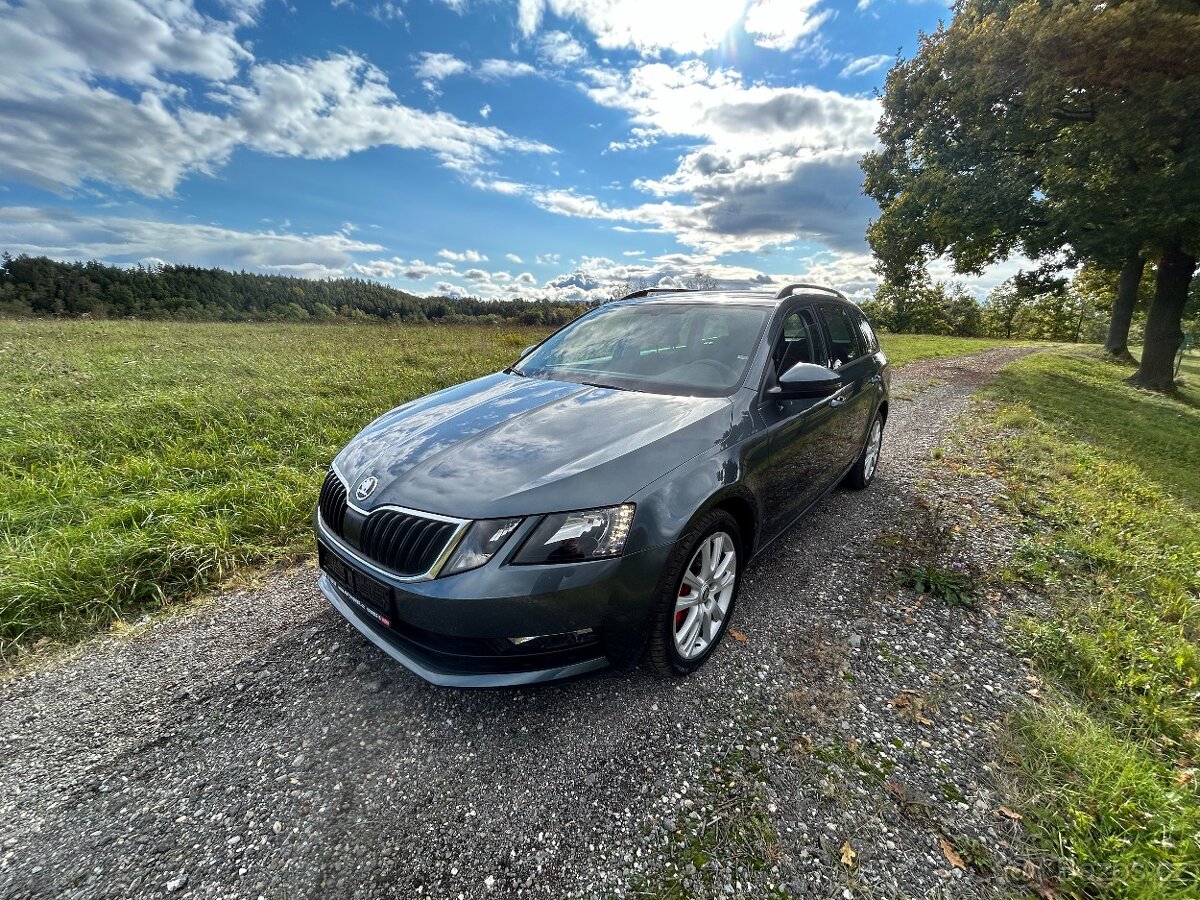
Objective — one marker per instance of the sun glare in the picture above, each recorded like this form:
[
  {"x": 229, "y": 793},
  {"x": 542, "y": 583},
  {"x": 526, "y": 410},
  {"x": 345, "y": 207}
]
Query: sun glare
[{"x": 696, "y": 25}]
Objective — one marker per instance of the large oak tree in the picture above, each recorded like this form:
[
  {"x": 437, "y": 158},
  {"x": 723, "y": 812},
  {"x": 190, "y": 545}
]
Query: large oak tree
[{"x": 1054, "y": 128}]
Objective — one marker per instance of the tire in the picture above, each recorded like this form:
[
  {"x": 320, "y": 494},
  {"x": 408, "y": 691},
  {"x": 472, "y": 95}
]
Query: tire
[
  {"x": 868, "y": 461},
  {"x": 670, "y": 627}
]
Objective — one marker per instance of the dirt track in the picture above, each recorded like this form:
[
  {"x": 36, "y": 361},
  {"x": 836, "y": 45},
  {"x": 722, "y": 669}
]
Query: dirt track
[{"x": 260, "y": 746}]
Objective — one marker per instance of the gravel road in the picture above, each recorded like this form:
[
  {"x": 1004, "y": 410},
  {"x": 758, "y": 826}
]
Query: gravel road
[{"x": 257, "y": 746}]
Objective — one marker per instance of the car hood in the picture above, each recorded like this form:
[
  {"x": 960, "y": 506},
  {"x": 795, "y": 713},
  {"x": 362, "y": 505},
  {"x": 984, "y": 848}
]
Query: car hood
[{"x": 505, "y": 445}]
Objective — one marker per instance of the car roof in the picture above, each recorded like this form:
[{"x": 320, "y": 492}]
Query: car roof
[{"x": 749, "y": 298}]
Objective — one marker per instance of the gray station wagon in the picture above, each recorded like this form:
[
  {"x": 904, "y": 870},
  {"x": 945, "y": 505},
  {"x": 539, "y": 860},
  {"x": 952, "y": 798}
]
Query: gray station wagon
[{"x": 597, "y": 502}]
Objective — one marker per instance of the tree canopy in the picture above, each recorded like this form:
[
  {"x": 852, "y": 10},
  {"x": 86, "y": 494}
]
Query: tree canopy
[
  {"x": 1060, "y": 129},
  {"x": 46, "y": 287}
]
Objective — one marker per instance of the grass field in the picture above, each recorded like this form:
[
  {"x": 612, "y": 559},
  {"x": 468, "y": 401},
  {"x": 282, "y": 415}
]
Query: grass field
[
  {"x": 905, "y": 348},
  {"x": 140, "y": 462},
  {"x": 1108, "y": 479}
]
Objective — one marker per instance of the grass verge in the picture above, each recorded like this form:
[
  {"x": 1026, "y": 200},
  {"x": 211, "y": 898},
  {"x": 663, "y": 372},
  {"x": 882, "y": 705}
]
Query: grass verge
[{"x": 1108, "y": 481}]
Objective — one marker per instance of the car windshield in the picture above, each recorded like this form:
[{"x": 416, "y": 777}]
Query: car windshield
[{"x": 687, "y": 349}]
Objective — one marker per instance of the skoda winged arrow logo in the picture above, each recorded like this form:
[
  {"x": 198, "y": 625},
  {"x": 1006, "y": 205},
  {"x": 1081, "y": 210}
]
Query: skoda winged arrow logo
[{"x": 366, "y": 487}]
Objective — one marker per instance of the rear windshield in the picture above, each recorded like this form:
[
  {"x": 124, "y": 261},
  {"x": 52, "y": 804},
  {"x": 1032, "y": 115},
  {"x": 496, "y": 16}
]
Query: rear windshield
[{"x": 700, "y": 349}]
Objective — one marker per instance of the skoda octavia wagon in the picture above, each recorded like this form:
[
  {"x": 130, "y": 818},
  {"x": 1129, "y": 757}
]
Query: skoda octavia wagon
[{"x": 598, "y": 501}]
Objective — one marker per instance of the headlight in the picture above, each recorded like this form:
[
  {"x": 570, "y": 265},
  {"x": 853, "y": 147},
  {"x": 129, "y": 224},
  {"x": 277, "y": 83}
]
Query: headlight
[
  {"x": 578, "y": 536},
  {"x": 479, "y": 544}
]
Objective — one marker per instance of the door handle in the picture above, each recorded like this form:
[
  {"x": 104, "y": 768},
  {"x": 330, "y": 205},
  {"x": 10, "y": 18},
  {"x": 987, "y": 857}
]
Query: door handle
[
  {"x": 837, "y": 401},
  {"x": 876, "y": 379}
]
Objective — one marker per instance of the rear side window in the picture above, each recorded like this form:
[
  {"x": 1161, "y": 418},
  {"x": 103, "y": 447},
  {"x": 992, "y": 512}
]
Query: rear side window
[
  {"x": 845, "y": 338},
  {"x": 869, "y": 340}
]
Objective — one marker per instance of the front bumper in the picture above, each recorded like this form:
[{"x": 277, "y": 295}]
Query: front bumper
[{"x": 455, "y": 630}]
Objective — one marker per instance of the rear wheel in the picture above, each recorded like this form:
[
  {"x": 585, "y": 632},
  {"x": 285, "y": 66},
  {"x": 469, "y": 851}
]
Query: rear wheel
[
  {"x": 868, "y": 461},
  {"x": 696, "y": 595}
]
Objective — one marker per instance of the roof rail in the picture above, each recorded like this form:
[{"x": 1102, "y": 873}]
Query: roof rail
[
  {"x": 804, "y": 286},
  {"x": 645, "y": 292}
]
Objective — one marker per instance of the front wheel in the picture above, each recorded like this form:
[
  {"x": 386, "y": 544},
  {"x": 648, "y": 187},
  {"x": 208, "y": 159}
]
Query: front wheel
[
  {"x": 868, "y": 461},
  {"x": 696, "y": 596}
]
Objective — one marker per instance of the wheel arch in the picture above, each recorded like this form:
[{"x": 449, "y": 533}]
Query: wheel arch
[{"x": 744, "y": 511}]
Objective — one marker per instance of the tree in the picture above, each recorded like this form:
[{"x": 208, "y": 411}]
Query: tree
[
  {"x": 701, "y": 281},
  {"x": 1055, "y": 128},
  {"x": 919, "y": 306},
  {"x": 1118, "y": 291},
  {"x": 1004, "y": 305},
  {"x": 627, "y": 286}
]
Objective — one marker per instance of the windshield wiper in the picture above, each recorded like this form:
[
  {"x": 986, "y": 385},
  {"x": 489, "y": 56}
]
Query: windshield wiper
[{"x": 610, "y": 387}]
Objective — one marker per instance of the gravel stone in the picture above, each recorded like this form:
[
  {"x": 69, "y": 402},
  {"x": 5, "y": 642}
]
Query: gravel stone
[{"x": 257, "y": 738}]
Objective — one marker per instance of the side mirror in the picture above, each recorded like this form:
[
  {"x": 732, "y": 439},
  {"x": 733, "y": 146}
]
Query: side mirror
[{"x": 806, "y": 381}]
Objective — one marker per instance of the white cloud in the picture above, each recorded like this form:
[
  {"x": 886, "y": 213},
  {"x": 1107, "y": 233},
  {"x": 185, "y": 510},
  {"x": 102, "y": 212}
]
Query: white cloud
[
  {"x": 495, "y": 69},
  {"x": 388, "y": 11},
  {"x": 647, "y": 26},
  {"x": 485, "y": 110},
  {"x": 512, "y": 257},
  {"x": 326, "y": 109},
  {"x": 780, "y": 24},
  {"x": 89, "y": 97},
  {"x": 633, "y": 253},
  {"x": 499, "y": 185},
  {"x": 464, "y": 256},
  {"x": 774, "y": 163},
  {"x": 559, "y": 49},
  {"x": 651, "y": 26},
  {"x": 866, "y": 64},
  {"x": 436, "y": 66},
  {"x": 65, "y": 234},
  {"x": 123, "y": 40}
]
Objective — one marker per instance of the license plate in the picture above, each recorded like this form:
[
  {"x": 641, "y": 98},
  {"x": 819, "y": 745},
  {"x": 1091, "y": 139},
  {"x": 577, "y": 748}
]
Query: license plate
[{"x": 361, "y": 587}]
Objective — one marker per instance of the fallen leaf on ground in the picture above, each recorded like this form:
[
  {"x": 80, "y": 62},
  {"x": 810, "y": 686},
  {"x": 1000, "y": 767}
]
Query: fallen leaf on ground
[
  {"x": 913, "y": 703},
  {"x": 737, "y": 635},
  {"x": 1009, "y": 813},
  {"x": 1183, "y": 778},
  {"x": 1185, "y": 763},
  {"x": 848, "y": 854},
  {"x": 950, "y": 853}
]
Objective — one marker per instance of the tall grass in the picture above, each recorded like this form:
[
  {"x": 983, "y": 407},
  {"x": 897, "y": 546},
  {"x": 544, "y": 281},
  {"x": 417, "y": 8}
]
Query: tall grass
[{"x": 1108, "y": 479}]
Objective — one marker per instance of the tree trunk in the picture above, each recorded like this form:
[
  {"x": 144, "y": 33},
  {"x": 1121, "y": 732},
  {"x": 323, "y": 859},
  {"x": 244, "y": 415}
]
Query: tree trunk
[
  {"x": 1117, "y": 344},
  {"x": 1163, "y": 332}
]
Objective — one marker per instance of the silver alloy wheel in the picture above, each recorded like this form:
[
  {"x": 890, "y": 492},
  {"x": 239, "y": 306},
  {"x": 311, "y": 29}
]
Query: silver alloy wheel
[
  {"x": 705, "y": 594},
  {"x": 871, "y": 456}
]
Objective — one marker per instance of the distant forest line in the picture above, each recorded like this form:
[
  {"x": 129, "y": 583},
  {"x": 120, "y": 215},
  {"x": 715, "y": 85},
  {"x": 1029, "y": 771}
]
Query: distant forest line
[{"x": 39, "y": 286}]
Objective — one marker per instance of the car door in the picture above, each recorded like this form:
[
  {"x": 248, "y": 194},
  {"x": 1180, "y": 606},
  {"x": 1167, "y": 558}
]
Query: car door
[
  {"x": 801, "y": 450},
  {"x": 849, "y": 357}
]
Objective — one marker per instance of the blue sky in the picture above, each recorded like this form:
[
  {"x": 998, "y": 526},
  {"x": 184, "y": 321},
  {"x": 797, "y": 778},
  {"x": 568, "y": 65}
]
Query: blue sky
[{"x": 538, "y": 148}]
